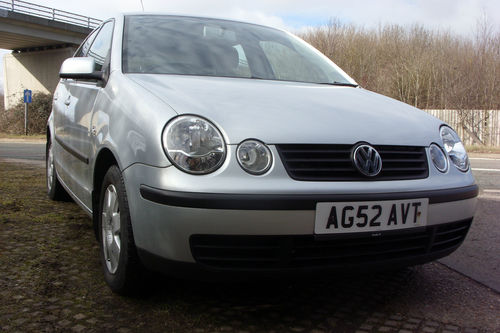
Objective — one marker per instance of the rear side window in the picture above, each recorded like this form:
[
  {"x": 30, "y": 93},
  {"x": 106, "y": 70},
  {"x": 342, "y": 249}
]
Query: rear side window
[{"x": 101, "y": 45}]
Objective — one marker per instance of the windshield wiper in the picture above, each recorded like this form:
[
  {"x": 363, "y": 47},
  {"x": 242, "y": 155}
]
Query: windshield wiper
[{"x": 344, "y": 84}]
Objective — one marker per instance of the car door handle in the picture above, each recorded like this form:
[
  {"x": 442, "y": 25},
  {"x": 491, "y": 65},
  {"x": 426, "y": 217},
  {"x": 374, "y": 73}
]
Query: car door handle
[{"x": 68, "y": 100}]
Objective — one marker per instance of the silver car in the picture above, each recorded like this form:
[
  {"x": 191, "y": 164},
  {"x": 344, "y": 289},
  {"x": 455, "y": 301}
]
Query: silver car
[{"x": 207, "y": 145}]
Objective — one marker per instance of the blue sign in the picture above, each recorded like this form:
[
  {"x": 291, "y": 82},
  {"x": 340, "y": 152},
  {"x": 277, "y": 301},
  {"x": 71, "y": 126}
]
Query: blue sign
[{"x": 27, "y": 96}]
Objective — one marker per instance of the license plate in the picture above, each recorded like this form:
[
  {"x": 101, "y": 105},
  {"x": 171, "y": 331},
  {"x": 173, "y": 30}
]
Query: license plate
[{"x": 370, "y": 216}]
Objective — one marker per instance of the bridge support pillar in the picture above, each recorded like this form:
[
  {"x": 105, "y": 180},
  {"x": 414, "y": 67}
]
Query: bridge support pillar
[{"x": 34, "y": 70}]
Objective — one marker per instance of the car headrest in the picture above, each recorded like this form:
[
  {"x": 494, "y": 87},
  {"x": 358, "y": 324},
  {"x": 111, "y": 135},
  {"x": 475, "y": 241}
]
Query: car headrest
[{"x": 227, "y": 57}]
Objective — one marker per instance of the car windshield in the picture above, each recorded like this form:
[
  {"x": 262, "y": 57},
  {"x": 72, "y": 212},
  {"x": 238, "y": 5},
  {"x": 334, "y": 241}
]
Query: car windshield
[{"x": 209, "y": 47}]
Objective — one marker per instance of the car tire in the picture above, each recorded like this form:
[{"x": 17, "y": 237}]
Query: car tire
[
  {"x": 55, "y": 190},
  {"x": 121, "y": 265}
]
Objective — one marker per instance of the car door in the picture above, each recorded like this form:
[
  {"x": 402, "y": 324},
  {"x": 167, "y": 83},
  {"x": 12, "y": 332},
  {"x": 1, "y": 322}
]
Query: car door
[
  {"x": 75, "y": 134},
  {"x": 62, "y": 114}
]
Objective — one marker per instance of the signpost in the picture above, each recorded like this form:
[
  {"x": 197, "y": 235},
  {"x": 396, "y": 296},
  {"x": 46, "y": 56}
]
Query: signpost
[{"x": 27, "y": 100}]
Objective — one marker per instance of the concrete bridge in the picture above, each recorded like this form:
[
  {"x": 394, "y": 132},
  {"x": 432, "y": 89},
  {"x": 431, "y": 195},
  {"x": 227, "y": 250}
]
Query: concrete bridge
[{"x": 40, "y": 39}]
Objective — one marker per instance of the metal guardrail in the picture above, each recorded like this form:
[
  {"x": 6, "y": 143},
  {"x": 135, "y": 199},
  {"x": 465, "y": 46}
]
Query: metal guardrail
[{"x": 33, "y": 9}]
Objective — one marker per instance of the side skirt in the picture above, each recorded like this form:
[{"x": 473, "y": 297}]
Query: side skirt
[{"x": 87, "y": 210}]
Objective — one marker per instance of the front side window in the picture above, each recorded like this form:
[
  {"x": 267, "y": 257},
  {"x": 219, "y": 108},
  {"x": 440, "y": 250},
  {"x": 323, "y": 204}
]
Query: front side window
[
  {"x": 101, "y": 45},
  {"x": 208, "y": 47},
  {"x": 82, "y": 51}
]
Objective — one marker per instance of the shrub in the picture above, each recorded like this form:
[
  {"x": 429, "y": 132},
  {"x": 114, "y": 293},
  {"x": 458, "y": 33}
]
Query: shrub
[
  {"x": 430, "y": 69},
  {"x": 12, "y": 120}
]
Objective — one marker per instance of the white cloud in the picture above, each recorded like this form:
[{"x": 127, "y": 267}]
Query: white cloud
[
  {"x": 238, "y": 10},
  {"x": 456, "y": 15}
]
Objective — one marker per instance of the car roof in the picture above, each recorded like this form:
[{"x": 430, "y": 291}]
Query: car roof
[{"x": 196, "y": 16}]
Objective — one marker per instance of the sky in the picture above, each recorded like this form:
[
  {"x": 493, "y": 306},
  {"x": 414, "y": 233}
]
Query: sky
[{"x": 458, "y": 16}]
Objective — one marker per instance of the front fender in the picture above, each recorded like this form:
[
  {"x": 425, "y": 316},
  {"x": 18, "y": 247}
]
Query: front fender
[{"x": 128, "y": 120}]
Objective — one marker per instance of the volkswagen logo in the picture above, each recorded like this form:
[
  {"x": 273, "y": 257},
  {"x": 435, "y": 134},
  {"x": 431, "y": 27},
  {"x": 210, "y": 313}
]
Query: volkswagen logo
[{"x": 367, "y": 160}]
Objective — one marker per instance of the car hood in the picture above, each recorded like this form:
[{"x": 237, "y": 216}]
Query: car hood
[{"x": 288, "y": 112}]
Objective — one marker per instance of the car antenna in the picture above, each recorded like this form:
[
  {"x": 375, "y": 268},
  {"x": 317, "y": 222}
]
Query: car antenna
[{"x": 142, "y": 5}]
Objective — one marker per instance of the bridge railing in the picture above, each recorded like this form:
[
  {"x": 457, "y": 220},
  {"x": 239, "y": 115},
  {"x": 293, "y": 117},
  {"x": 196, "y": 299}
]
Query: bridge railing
[{"x": 33, "y": 9}]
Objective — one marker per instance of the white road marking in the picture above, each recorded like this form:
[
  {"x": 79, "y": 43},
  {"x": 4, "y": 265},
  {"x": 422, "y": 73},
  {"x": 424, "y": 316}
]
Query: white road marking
[
  {"x": 484, "y": 159},
  {"x": 481, "y": 169},
  {"x": 490, "y": 194},
  {"x": 494, "y": 197}
]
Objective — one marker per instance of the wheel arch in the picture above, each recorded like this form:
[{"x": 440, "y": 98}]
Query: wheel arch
[
  {"x": 104, "y": 160},
  {"x": 48, "y": 138},
  {"x": 49, "y": 133}
]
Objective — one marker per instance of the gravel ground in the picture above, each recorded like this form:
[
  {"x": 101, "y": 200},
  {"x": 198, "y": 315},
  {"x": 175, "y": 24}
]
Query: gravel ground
[{"x": 50, "y": 281}]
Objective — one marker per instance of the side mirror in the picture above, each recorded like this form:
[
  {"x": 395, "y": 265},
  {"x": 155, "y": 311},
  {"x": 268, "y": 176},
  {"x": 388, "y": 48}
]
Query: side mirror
[{"x": 80, "y": 68}]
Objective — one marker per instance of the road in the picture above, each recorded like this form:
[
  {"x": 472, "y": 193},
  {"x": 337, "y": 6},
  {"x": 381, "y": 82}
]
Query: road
[
  {"x": 32, "y": 150},
  {"x": 478, "y": 258}
]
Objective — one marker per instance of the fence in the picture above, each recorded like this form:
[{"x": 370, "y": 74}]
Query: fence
[
  {"x": 475, "y": 127},
  {"x": 33, "y": 9}
]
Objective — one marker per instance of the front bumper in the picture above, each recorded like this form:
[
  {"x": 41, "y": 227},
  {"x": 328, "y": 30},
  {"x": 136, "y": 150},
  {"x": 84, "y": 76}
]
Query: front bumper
[
  {"x": 285, "y": 256},
  {"x": 173, "y": 225}
]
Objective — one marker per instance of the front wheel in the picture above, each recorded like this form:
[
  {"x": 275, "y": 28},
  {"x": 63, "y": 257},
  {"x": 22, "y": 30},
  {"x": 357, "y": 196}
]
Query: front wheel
[{"x": 120, "y": 262}]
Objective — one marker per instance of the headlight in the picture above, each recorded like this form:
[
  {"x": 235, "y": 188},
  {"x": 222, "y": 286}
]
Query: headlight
[
  {"x": 438, "y": 158},
  {"x": 193, "y": 144},
  {"x": 254, "y": 157},
  {"x": 454, "y": 148}
]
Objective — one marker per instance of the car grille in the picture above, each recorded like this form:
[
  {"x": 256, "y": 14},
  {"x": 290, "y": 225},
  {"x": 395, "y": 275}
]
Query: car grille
[
  {"x": 306, "y": 251},
  {"x": 309, "y": 162}
]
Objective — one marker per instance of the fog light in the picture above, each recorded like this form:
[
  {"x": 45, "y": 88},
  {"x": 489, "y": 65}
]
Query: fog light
[
  {"x": 438, "y": 158},
  {"x": 254, "y": 157}
]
